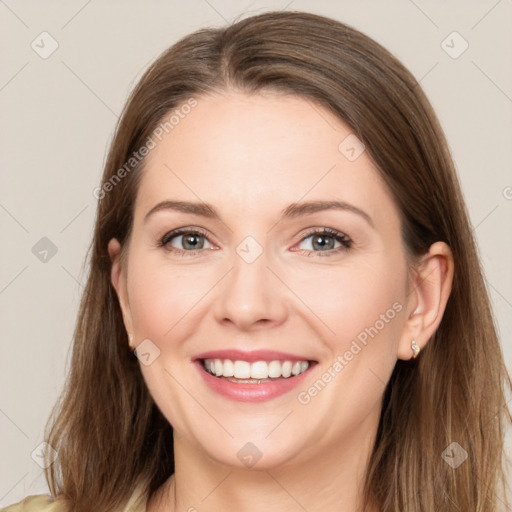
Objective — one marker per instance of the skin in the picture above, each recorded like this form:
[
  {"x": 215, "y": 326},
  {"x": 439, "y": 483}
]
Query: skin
[{"x": 250, "y": 157}]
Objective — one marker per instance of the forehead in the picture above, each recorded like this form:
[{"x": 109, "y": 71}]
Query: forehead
[{"x": 241, "y": 151}]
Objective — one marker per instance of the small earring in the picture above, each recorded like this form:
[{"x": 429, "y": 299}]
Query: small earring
[
  {"x": 130, "y": 338},
  {"x": 415, "y": 349}
]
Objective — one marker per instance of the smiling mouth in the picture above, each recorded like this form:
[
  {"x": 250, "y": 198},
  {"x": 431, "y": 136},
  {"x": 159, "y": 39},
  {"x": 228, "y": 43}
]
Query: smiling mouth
[{"x": 257, "y": 372}]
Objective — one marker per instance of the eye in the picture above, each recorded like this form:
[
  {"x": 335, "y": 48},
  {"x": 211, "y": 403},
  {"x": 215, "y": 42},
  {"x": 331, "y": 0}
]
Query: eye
[
  {"x": 320, "y": 242},
  {"x": 185, "y": 241},
  {"x": 324, "y": 242}
]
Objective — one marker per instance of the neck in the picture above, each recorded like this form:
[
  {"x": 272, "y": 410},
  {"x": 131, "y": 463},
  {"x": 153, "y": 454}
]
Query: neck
[{"x": 321, "y": 479}]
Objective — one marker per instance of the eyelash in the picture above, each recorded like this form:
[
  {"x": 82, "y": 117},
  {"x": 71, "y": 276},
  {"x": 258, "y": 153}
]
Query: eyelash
[{"x": 344, "y": 240}]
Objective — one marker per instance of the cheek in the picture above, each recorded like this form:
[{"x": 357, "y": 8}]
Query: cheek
[
  {"x": 360, "y": 302},
  {"x": 166, "y": 298},
  {"x": 158, "y": 296},
  {"x": 163, "y": 301},
  {"x": 151, "y": 303}
]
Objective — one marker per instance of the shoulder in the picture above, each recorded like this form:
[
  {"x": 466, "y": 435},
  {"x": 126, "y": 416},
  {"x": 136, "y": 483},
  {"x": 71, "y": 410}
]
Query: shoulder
[
  {"x": 37, "y": 503},
  {"x": 45, "y": 503}
]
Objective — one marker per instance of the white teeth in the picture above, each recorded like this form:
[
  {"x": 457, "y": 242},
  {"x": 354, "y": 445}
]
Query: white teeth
[
  {"x": 242, "y": 369},
  {"x": 256, "y": 370},
  {"x": 296, "y": 368},
  {"x": 274, "y": 369},
  {"x": 219, "y": 367},
  {"x": 259, "y": 370},
  {"x": 229, "y": 368},
  {"x": 287, "y": 369}
]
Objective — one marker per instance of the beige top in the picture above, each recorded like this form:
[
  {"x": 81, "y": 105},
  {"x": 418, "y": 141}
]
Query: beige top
[{"x": 44, "y": 503}]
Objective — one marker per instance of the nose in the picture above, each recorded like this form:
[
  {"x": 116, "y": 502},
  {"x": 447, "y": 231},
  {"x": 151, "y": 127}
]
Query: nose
[{"x": 251, "y": 296}]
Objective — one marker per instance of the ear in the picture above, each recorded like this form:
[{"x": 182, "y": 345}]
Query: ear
[
  {"x": 118, "y": 278},
  {"x": 431, "y": 285}
]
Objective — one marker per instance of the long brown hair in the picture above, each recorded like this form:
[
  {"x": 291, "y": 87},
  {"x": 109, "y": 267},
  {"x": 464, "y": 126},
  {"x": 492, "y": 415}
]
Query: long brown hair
[{"x": 109, "y": 433}]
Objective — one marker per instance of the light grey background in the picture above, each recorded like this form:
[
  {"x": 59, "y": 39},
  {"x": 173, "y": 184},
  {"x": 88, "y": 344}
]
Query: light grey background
[{"x": 57, "y": 118}]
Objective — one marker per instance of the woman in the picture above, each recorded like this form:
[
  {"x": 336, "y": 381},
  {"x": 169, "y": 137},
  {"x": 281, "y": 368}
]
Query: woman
[{"x": 282, "y": 243}]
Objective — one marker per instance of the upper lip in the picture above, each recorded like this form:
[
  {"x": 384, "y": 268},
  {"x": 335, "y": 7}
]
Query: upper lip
[{"x": 252, "y": 356}]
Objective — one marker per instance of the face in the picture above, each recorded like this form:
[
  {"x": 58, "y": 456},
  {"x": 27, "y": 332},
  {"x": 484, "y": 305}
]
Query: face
[{"x": 255, "y": 271}]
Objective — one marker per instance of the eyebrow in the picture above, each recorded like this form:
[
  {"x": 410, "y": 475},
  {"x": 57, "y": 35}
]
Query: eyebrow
[{"x": 291, "y": 211}]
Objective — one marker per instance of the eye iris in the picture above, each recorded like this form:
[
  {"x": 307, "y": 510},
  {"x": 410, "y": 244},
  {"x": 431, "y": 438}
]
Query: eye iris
[
  {"x": 323, "y": 244},
  {"x": 190, "y": 241}
]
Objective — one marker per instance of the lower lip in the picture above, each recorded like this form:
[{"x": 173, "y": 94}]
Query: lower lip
[{"x": 251, "y": 392}]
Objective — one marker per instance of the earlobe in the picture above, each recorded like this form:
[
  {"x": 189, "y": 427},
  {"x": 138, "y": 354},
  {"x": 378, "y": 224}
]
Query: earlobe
[{"x": 431, "y": 289}]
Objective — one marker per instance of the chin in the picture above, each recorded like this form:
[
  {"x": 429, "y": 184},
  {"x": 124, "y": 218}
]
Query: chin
[{"x": 254, "y": 455}]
